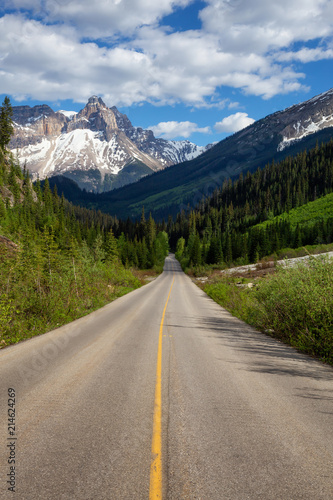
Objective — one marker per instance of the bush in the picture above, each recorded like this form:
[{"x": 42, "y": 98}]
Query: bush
[
  {"x": 294, "y": 305},
  {"x": 240, "y": 301},
  {"x": 39, "y": 291},
  {"x": 297, "y": 304}
]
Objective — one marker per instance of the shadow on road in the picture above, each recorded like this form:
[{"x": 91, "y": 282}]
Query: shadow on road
[{"x": 271, "y": 355}]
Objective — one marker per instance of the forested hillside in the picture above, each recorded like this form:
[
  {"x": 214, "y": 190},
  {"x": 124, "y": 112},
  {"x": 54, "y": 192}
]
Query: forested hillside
[
  {"x": 226, "y": 226},
  {"x": 58, "y": 261}
]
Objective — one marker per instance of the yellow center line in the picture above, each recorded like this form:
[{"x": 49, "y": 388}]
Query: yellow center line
[{"x": 155, "y": 487}]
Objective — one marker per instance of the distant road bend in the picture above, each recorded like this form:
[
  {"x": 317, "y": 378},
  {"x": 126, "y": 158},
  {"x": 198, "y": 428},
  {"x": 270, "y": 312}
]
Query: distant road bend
[{"x": 162, "y": 393}]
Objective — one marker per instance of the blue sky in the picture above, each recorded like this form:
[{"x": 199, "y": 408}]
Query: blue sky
[{"x": 199, "y": 70}]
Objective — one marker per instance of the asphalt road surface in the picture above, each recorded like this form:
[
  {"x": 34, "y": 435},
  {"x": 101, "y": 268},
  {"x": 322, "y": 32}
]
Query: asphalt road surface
[{"x": 242, "y": 415}]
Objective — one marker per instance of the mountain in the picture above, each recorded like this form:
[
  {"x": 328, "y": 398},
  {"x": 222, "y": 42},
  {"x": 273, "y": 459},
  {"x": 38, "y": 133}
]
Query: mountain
[
  {"x": 274, "y": 137},
  {"x": 98, "y": 147}
]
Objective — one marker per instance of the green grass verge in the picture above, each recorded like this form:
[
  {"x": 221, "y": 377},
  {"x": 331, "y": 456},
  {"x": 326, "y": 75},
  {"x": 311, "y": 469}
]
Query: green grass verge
[
  {"x": 33, "y": 302},
  {"x": 294, "y": 305}
]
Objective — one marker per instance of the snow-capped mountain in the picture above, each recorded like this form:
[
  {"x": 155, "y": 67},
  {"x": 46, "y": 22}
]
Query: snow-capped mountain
[
  {"x": 97, "y": 147},
  {"x": 273, "y": 138},
  {"x": 306, "y": 118}
]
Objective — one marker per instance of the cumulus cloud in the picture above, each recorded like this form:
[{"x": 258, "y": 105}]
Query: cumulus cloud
[
  {"x": 173, "y": 129},
  {"x": 306, "y": 55},
  {"x": 233, "y": 123},
  {"x": 257, "y": 25},
  {"x": 190, "y": 67},
  {"x": 104, "y": 19},
  {"x": 119, "y": 50},
  {"x": 50, "y": 63}
]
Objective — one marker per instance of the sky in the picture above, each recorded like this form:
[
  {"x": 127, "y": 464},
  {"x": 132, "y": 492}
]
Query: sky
[{"x": 196, "y": 70}]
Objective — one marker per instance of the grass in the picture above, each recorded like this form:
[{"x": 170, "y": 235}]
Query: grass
[
  {"x": 146, "y": 275},
  {"x": 294, "y": 305},
  {"x": 34, "y": 301},
  {"x": 310, "y": 213}
]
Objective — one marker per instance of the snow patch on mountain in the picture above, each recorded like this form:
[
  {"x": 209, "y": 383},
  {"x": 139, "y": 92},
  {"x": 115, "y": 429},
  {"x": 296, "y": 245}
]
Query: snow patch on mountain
[
  {"x": 307, "y": 118},
  {"x": 81, "y": 148},
  {"x": 97, "y": 137},
  {"x": 302, "y": 131},
  {"x": 68, "y": 114}
]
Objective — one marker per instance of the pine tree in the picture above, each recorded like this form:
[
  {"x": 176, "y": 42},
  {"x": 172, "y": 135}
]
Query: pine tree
[
  {"x": 111, "y": 248},
  {"x": 195, "y": 254},
  {"x": 151, "y": 232},
  {"x": 228, "y": 250},
  {"x": 214, "y": 255},
  {"x": 142, "y": 227},
  {"x": 6, "y": 123}
]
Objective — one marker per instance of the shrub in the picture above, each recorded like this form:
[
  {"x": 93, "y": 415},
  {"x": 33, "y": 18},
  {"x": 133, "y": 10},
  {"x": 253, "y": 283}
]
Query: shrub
[
  {"x": 297, "y": 304},
  {"x": 294, "y": 305}
]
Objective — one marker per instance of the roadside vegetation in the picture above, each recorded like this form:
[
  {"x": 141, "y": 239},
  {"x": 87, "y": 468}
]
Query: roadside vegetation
[
  {"x": 43, "y": 287},
  {"x": 282, "y": 211},
  {"x": 49, "y": 274},
  {"x": 295, "y": 304},
  {"x": 58, "y": 261}
]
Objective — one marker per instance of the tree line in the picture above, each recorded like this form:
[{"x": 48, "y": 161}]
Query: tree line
[
  {"x": 225, "y": 227},
  {"x": 59, "y": 261}
]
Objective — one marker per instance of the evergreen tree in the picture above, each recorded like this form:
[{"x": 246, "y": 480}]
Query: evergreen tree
[
  {"x": 99, "y": 253},
  {"x": 195, "y": 253},
  {"x": 142, "y": 227},
  {"x": 228, "y": 249},
  {"x": 111, "y": 248},
  {"x": 214, "y": 255},
  {"x": 6, "y": 123},
  {"x": 180, "y": 248},
  {"x": 151, "y": 232}
]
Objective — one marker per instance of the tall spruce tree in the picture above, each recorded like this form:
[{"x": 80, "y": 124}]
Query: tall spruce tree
[{"x": 6, "y": 123}]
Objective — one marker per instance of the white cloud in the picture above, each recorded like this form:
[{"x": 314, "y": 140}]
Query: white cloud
[
  {"x": 243, "y": 44},
  {"x": 234, "y": 123},
  {"x": 258, "y": 25},
  {"x": 47, "y": 63},
  {"x": 190, "y": 67},
  {"x": 306, "y": 55},
  {"x": 104, "y": 19},
  {"x": 119, "y": 16},
  {"x": 172, "y": 129},
  {"x": 50, "y": 62}
]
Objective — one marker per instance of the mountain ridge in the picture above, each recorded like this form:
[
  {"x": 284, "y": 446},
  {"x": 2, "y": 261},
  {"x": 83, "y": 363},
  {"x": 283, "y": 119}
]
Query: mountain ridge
[
  {"x": 297, "y": 128},
  {"x": 98, "y": 147}
]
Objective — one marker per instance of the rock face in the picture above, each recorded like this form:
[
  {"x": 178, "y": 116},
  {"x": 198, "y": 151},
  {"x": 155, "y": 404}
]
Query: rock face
[
  {"x": 97, "y": 147},
  {"x": 33, "y": 124},
  {"x": 275, "y": 137},
  {"x": 271, "y": 137},
  {"x": 307, "y": 118}
]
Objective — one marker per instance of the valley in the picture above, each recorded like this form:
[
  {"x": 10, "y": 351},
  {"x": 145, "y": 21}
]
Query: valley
[
  {"x": 166, "y": 250},
  {"x": 281, "y": 135},
  {"x": 101, "y": 294}
]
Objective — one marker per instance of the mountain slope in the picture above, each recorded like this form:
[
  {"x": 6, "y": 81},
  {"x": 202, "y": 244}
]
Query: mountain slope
[
  {"x": 97, "y": 147},
  {"x": 273, "y": 138}
]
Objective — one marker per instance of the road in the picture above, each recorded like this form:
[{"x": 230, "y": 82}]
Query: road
[{"x": 242, "y": 415}]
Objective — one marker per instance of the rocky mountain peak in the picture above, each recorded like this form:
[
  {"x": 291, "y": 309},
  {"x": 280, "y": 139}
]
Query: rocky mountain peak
[
  {"x": 98, "y": 147},
  {"x": 32, "y": 124},
  {"x": 95, "y": 100},
  {"x": 25, "y": 114},
  {"x": 95, "y": 116}
]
